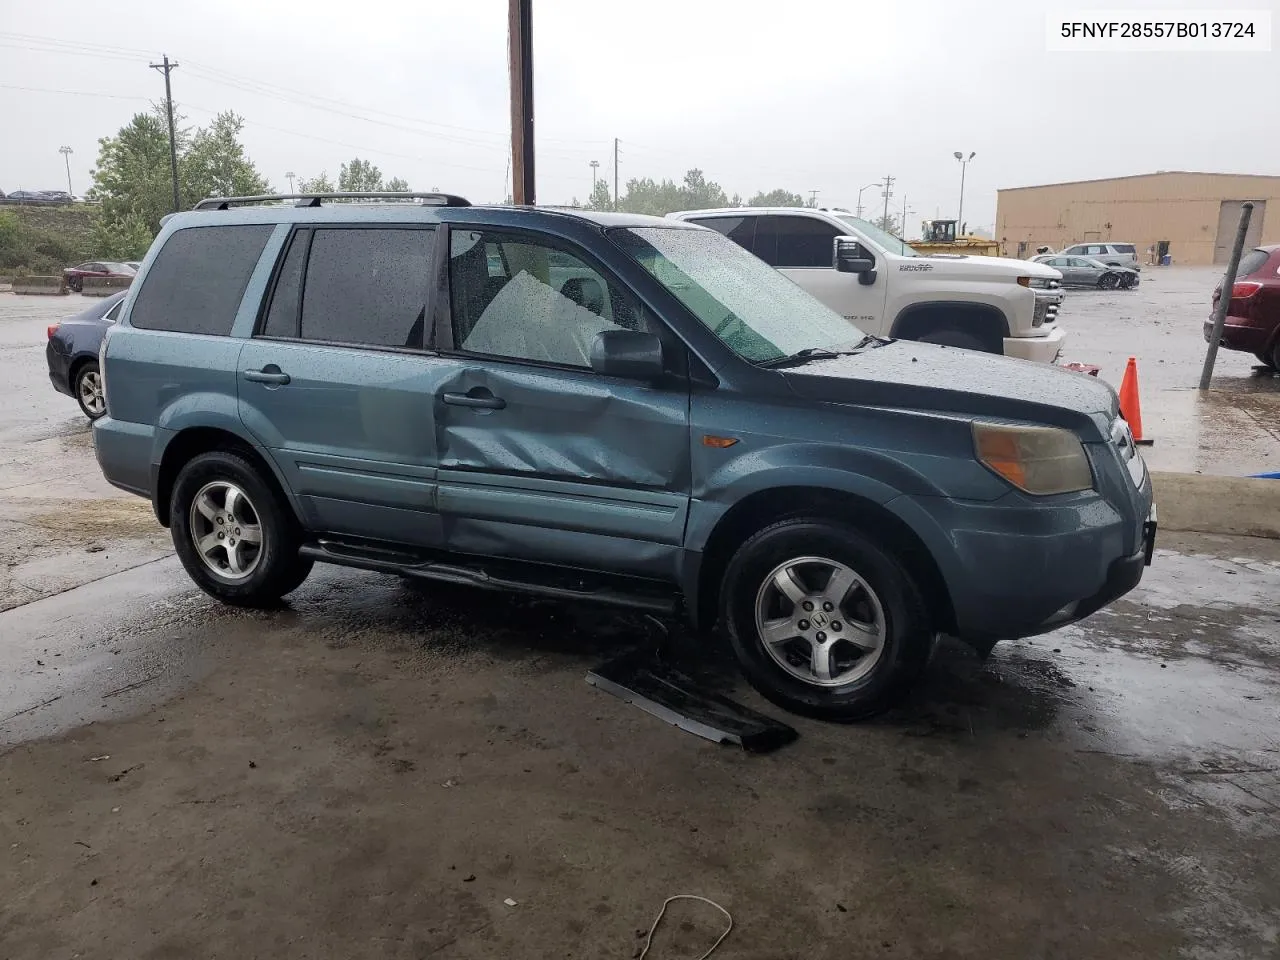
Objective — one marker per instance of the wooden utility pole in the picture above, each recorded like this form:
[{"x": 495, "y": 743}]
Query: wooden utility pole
[
  {"x": 167, "y": 68},
  {"x": 520, "y": 56}
]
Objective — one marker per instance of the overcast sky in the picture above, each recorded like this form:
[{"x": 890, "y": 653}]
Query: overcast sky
[{"x": 825, "y": 95}]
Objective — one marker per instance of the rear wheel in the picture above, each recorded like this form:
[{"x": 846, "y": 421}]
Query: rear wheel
[
  {"x": 89, "y": 392},
  {"x": 823, "y": 620},
  {"x": 236, "y": 537},
  {"x": 1271, "y": 359}
]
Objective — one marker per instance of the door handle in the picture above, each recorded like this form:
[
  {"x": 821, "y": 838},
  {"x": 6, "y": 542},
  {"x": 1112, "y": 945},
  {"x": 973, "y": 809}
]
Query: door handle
[
  {"x": 272, "y": 376},
  {"x": 486, "y": 401}
]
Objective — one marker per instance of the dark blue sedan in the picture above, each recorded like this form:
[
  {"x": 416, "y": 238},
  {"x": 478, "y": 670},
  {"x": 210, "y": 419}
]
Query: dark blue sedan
[{"x": 73, "y": 354}]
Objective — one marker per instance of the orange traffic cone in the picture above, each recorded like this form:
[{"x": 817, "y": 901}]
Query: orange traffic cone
[{"x": 1130, "y": 405}]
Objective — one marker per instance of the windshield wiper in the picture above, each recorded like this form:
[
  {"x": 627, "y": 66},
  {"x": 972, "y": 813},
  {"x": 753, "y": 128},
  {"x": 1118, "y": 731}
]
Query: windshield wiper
[{"x": 823, "y": 353}]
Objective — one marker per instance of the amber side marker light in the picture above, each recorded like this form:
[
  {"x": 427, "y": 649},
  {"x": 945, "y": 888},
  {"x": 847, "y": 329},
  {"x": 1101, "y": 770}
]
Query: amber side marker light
[{"x": 708, "y": 440}]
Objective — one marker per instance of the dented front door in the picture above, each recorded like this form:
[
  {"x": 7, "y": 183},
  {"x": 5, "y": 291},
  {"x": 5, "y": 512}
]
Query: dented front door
[
  {"x": 541, "y": 458},
  {"x": 563, "y": 467}
]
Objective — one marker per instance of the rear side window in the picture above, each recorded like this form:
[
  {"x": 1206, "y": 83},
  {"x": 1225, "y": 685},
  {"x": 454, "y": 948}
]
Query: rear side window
[
  {"x": 1123, "y": 248},
  {"x": 364, "y": 286},
  {"x": 198, "y": 279},
  {"x": 741, "y": 230},
  {"x": 1252, "y": 262}
]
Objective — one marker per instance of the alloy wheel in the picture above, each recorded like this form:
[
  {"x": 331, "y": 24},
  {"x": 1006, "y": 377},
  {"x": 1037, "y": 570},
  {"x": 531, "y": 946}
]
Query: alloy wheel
[
  {"x": 820, "y": 621},
  {"x": 226, "y": 530}
]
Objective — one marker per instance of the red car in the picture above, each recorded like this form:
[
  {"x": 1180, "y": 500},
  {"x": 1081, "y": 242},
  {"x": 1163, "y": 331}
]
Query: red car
[
  {"x": 1253, "y": 317},
  {"x": 95, "y": 268}
]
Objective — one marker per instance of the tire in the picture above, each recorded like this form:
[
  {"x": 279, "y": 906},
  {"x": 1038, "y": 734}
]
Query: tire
[
  {"x": 955, "y": 338},
  {"x": 1271, "y": 359},
  {"x": 1108, "y": 281},
  {"x": 76, "y": 284},
  {"x": 204, "y": 508},
  {"x": 87, "y": 388},
  {"x": 863, "y": 678}
]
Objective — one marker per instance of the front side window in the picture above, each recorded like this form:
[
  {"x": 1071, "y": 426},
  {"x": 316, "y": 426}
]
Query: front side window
[
  {"x": 198, "y": 279},
  {"x": 803, "y": 241},
  {"x": 365, "y": 286},
  {"x": 756, "y": 311},
  {"x": 883, "y": 239},
  {"x": 522, "y": 298}
]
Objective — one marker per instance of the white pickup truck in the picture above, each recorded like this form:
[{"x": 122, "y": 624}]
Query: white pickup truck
[{"x": 884, "y": 287}]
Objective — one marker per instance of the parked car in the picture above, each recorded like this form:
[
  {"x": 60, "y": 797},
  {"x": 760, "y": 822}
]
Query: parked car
[
  {"x": 982, "y": 303},
  {"x": 612, "y": 408},
  {"x": 72, "y": 354},
  {"x": 40, "y": 196},
  {"x": 1112, "y": 254},
  {"x": 95, "y": 268},
  {"x": 1253, "y": 316},
  {"x": 1088, "y": 272}
]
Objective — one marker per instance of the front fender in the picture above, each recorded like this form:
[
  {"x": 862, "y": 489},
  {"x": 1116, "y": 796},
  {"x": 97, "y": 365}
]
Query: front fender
[{"x": 861, "y": 473}]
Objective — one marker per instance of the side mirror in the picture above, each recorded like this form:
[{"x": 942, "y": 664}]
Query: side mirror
[
  {"x": 627, "y": 354},
  {"x": 849, "y": 256}
]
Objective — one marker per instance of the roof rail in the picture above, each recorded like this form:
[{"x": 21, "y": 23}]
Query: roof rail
[{"x": 313, "y": 199}]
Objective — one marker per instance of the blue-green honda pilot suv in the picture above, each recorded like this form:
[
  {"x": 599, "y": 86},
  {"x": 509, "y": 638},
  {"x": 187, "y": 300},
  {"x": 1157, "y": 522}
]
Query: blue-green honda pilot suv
[{"x": 614, "y": 408}]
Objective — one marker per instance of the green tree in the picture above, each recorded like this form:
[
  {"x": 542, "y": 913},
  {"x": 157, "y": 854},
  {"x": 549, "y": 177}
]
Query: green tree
[
  {"x": 359, "y": 176},
  {"x": 645, "y": 195},
  {"x": 399, "y": 185},
  {"x": 320, "y": 184},
  {"x": 133, "y": 183},
  {"x": 699, "y": 193},
  {"x": 776, "y": 198},
  {"x": 132, "y": 180},
  {"x": 215, "y": 165},
  {"x": 600, "y": 198},
  {"x": 889, "y": 224}
]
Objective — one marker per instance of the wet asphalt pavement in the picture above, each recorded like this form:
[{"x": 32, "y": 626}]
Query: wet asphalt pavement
[
  {"x": 374, "y": 769},
  {"x": 1233, "y": 429}
]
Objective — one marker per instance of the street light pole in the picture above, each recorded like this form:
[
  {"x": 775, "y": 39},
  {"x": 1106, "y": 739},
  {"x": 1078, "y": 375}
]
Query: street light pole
[
  {"x": 964, "y": 162},
  {"x": 595, "y": 166},
  {"x": 867, "y": 187},
  {"x": 289, "y": 176},
  {"x": 66, "y": 155}
]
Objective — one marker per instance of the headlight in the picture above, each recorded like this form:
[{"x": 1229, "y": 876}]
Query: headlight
[
  {"x": 1038, "y": 283},
  {"x": 1039, "y": 460}
]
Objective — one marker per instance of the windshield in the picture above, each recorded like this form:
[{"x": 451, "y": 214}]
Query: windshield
[
  {"x": 758, "y": 313},
  {"x": 881, "y": 238}
]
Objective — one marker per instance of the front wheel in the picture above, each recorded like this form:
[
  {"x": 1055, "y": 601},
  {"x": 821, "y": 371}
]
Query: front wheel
[
  {"x": 1107, "y": 281},
  {"x": 235, "y": 536},
  {"x": 1271, "y": 359},
  {"x": 89, "y": 392},
  {"x": 823, "y": 620}
]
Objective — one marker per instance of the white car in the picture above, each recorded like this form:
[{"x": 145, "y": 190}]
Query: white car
[{"x": 884, "y": 287}]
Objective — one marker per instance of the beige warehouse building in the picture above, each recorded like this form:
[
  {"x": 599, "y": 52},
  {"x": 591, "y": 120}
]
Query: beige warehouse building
[{"x": 1191, "y": 216}]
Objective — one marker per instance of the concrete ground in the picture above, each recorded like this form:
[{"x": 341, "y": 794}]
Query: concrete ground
[
  {"x": 374, "y": 770},
  {"x": 1233, "y": 429}
]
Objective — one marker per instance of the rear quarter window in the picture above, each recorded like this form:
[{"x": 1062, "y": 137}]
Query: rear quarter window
[
  {"x": 198, "y": 279},
  {"x": 1122, "y": 247},
  {"x": 1252, "y": 262}
]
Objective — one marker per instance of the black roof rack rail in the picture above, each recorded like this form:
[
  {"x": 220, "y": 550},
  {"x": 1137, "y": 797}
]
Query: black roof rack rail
[{"x": 313, "y": 199}]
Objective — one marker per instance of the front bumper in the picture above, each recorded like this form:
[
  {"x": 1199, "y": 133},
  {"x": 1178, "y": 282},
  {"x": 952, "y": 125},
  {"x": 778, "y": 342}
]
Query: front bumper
[{"x": 1045, "y": 347}]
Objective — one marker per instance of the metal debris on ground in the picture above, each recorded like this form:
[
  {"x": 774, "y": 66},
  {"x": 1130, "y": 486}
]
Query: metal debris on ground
[
  {"x": 648, "y": 941},
  {"x": 645, "y": 679}
]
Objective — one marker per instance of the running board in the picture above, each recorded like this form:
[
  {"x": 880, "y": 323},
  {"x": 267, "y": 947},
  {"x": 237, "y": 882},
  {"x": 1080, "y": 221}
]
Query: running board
[
  {"x": 409, "y": 564},
  {"x": 643, "y": 678}
]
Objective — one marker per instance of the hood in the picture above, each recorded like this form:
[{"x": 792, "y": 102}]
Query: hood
[
  {"x": 963, "y": 265},
  {"x": 919, "y": 376}
]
